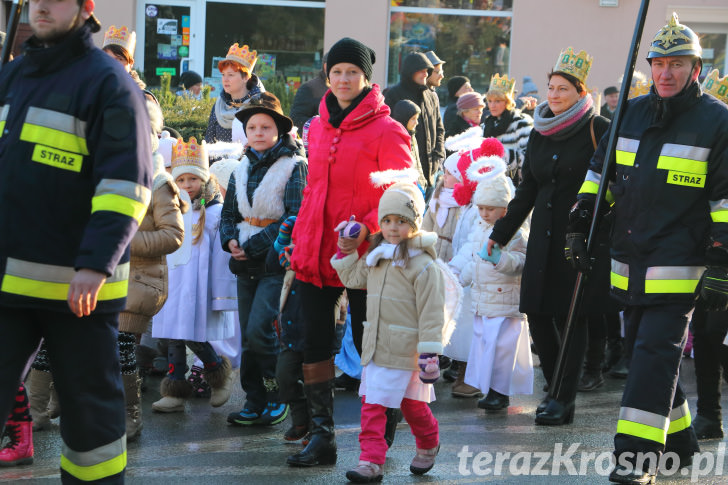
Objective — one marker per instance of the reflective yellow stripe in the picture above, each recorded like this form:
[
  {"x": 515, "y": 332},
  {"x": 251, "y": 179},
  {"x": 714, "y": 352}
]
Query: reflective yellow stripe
[
  {"x": 642, "y": 424},
  {"x": 672, "y": 279},
  {"x": 619, "y": 281},
  {"x": 670, "y": 286},
  {"x": 55, "y": 129},
  {"x": 102, "y": 462},
  {"x": 589, "y": 187},
  {"x": 120, "y": 204},
  {"x": 684, "y": 165},
  {"x": 609, "y": 196},
  {"x": 624, "y": 158},
  {"x": 641, "y": 431},
  {"x": 123, "y": 196},
  {"x": 50, "y": 282},
  {"x": 719, "y": 210},
  {"x": 3, "y": 117},
  {"x": 53, "y": 138},
  {"x": 679, "y": 418}
]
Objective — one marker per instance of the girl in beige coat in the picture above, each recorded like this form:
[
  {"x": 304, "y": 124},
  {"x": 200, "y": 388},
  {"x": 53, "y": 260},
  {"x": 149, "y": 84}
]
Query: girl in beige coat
[
  {"x": 160, "y": 233},
  {"x": 405, "y": 318}
]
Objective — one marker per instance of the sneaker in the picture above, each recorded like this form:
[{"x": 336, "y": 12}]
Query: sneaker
[
  {"x": 246, "y": 417},
  {"x": 273, "y": 413},
  {"x": 200, "y": 387}
]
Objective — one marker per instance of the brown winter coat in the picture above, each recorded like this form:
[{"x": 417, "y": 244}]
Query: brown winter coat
[
  {"x": 159, "y": 234},
  {"x": 405, "y": 306}
]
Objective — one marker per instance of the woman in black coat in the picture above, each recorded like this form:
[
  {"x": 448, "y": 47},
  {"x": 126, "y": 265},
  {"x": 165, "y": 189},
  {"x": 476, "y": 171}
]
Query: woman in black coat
[{"x": 566, "y": 130}]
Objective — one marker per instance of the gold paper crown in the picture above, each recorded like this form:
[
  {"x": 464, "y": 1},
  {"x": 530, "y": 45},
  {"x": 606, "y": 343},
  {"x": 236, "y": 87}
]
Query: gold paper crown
[
  {"x": 190, "y": 154},
  {"x": 502, "y": 84},
  {"x": 242, "y": 55},
  {"x": 122, "y": 37},
  {"x": 639, "y": 88},
  {"x": 578, "y": 65},
  {"x": 716, "y": 86}
]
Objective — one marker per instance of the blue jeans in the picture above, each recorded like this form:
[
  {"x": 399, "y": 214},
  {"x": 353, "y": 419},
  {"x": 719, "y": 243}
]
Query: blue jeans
[{"x": 258, "y": 305}]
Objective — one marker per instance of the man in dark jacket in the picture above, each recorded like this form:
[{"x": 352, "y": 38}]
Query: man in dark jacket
[
  {"x": 669, "y": 244},
  {"x": 306, "y": 102},
  {"x": 77, "y": 156},
  {"x": 456, "y": 87},
  {"x": 430, "y": 133}
]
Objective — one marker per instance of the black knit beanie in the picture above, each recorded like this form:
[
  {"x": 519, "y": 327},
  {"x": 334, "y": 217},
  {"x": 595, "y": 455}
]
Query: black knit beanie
[
  {"x": 354, "y": 52},
  {"x": 455, "y": 83}
]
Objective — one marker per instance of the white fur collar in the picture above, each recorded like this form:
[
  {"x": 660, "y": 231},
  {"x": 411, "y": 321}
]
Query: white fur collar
[
  {"x": 267, "y": 197},
  {"x": 386, "y": 251}
]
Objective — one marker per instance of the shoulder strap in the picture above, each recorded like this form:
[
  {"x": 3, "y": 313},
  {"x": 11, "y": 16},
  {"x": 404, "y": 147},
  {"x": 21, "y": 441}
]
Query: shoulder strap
[{"x": 591, "y": 130}]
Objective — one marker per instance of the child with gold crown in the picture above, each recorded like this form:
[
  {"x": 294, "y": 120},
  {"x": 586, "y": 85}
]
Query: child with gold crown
[{"x": 202, "y": 296}]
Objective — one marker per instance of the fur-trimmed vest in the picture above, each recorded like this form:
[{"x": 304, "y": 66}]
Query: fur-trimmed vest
[{"x": 267, "y": 197}]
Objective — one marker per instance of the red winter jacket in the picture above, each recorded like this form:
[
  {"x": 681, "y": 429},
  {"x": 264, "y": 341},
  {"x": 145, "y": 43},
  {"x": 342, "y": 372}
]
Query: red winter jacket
[{"x": 339, "y": 163}]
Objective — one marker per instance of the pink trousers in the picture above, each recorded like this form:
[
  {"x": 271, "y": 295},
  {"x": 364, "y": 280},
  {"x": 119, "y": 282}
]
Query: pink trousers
[{"x": 422, "y": 423}]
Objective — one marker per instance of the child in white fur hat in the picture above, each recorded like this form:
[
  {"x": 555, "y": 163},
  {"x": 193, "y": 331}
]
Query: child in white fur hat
[
  {"x": 405, "y": 319},
  {"x": 500, "y": 357}
]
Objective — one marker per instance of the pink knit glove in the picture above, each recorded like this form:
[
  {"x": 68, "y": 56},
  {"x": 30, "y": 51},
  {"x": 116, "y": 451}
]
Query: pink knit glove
[
  {"x": 349, "y": 229},
  {"x": 429, "y": 368}
]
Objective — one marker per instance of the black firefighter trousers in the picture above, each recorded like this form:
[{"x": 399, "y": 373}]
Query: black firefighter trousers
[
  {"x": 654, "y": 417},
  {"x": 84, "y": 358}
]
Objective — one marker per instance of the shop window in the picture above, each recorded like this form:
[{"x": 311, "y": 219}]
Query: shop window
[
  {"x": 289, "y": 40},
  {"x": 459, "y": 4},
  {"x": 476, "y": 46},
  {"x": 714, "y": 48}
]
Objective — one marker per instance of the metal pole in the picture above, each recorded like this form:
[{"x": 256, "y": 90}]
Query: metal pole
[
  {"x": 11, "y": 31},
  {"x": 557, "y": 379}
]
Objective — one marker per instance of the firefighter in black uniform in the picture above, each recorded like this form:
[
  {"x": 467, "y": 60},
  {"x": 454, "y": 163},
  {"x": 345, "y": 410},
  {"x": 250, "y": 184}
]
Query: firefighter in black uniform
[
  {"x": 75, "y": 154},
  {"x": 669, "y": 243},
  {"x": 709, "y": 332}
]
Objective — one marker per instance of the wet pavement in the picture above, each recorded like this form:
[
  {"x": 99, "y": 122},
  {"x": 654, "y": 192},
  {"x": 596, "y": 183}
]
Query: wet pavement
[{"x": 199, "y": 447}]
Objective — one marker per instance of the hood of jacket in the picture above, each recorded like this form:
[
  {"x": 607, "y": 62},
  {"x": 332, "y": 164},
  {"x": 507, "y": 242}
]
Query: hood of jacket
[
  {"x": 414, "y": 62},
  {"x": 371, "y": 107}
]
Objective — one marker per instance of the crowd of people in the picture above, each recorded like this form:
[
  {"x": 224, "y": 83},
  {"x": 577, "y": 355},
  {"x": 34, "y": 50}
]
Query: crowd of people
[{"x": 370, "y": 225}]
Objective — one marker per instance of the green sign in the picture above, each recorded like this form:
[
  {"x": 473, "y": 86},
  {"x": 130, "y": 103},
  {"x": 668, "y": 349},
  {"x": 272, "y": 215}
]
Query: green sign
[
  {"x": 163, "y": 70},
  {"x": 184, "y": 51}
]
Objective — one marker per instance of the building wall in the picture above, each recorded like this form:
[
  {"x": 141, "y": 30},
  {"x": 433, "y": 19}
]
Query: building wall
[
  {"x": 114, "y": 12},
  {"x": 604, "y": 32},
  {"x": 366, "y": 21}
]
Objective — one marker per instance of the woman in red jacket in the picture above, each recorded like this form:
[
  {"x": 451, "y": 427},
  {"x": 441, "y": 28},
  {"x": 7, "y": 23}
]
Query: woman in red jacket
[{"x": 353, "y": 137}]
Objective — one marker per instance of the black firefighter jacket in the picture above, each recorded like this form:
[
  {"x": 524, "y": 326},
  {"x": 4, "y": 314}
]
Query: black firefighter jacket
[
  {"x": 75, "y": 151},
  {"x": 670, "y": 193}
]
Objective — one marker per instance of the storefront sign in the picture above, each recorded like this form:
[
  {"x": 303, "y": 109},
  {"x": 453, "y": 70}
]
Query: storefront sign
[
  {"x": 172, "y": 71},
  {"x": 167, "y": 26}
]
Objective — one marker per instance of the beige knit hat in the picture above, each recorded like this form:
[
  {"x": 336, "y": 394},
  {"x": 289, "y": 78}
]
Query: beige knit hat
[
  {"x": 403, "y": 198},
  {"x": 494, "y": 188}
]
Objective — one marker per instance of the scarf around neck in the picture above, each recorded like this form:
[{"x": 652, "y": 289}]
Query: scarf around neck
[
  {"x": 336, "y": 114},
  {"x": 564, "y": 125},
  {"x": 226, "y": 106},
  {"x": 442, "y": 204}
]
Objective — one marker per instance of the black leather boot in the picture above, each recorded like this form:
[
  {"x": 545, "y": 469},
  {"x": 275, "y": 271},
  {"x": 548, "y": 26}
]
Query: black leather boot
[
  {"x": 494, "y": 401},
  {"x": 319, "y": 388},
  {"x": 394, "y": 417},
  {"x": 632, "y": 476},
  {"x": 556, "y": 413}
]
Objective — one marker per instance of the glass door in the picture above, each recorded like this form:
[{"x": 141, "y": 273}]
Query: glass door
[{"x": 169, "y": 40}]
